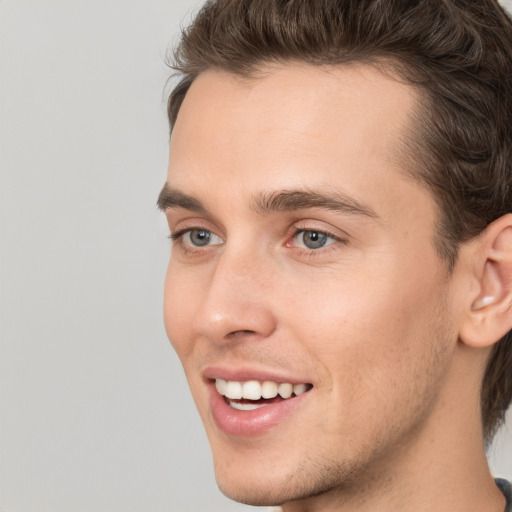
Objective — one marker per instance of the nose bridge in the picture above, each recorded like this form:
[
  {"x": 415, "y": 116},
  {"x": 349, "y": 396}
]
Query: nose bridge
[{"x": 238, "y": 297}]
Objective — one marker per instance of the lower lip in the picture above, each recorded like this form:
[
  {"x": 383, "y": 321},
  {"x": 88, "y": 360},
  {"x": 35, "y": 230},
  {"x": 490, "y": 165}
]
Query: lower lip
[{"x": 251, "y": 423}]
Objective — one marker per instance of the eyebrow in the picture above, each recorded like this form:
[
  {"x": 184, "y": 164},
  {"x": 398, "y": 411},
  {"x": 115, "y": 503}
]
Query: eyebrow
[
  {"x": 294, "y": 200},
  {"x": 279, "y": 201},
  {"x": 173, "y": 198}
]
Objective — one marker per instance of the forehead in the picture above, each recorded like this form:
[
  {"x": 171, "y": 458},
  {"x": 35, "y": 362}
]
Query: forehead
[
  {"x": 293, "y": 126},
  {"x": 292, "y": 111}
]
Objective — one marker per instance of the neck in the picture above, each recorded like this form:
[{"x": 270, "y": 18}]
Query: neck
[{"x": 429, "y": 477}]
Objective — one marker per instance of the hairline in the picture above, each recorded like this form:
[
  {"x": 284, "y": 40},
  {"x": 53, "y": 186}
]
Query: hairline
[{"x": 411, "y": 141}]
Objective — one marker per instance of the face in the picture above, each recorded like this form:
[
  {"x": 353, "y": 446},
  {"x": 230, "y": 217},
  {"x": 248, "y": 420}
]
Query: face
[{"x": 304, "y": 295}]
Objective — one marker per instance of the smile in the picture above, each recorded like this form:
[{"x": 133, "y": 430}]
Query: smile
[{"x": 252, "y": 394}]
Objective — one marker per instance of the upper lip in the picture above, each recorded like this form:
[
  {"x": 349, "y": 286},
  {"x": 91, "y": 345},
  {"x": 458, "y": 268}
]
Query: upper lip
[{"x": 243, "y": 374}]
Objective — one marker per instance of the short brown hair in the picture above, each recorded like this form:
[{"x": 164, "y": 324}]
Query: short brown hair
[{"x": 458, "y": 53}]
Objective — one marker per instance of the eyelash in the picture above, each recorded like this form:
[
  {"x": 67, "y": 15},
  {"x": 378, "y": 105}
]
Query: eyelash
[
  {"x": 316, "y": 253},
  {"x": 177, "y": 237},
  {"x": 180, "y": 233}
]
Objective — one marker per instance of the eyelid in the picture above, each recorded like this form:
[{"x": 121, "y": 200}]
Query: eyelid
[
  {"x": 315, "y": 255},
  {"x": 333, "y": 237},
  {"x": 181, "y": 241},
  {"x": 337, "y": 237},
  {"x": 180, "y": 226},
  {"x": 319, "y": 227},
  {"x": 176, "y": 235}
]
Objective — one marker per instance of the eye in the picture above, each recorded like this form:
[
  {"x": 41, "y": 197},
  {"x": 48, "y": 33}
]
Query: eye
[
  {"x": 198, "y": 237},
  {"x": 312, "y": 239}
]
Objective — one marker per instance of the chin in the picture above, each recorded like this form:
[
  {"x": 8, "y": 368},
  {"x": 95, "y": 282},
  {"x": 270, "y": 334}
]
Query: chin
[
  {"x": 257, "y": 481},
  {"x": 255, "y": 492},
  {"x": 243, "y": 479},
  {"x": 274, "y": 482},
  {"x": 251, "y": 496}
]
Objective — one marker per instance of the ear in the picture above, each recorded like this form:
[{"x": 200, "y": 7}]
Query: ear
[{"x": 489, "y": 316}]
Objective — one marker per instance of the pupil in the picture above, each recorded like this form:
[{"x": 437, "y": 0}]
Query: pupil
[
  {"x": 314, "y": 239},
  {"x": 200, "y": 237}
]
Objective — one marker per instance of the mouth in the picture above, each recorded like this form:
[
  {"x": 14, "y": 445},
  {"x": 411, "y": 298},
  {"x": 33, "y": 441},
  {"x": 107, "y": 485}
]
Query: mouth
[
  {"x": 252, "y": 394},
  {"x": 252, "y": 407}
]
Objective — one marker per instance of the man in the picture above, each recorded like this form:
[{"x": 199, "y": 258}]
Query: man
[{"x": 339, "y": 292}]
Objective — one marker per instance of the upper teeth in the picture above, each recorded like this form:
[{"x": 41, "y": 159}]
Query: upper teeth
[{"x": 254, "y": 390}]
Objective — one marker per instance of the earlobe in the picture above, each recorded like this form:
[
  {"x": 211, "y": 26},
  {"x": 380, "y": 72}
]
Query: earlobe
[{"x": 490, "y": 314}]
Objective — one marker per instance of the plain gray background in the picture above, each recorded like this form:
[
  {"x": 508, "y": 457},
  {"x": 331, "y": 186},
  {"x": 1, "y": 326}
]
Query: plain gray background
[{"x": 95, "y": 414}]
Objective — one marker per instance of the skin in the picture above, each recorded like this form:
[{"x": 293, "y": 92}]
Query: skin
[{"x": 371, "y": 319}]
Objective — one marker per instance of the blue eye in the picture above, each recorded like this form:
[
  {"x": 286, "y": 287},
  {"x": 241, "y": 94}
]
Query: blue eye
[
  {"x": 311, "y": 239},
  {"x": 199, "y": 237}
]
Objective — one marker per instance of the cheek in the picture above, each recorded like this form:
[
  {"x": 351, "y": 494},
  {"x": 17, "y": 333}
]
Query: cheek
[
  {"x": 372, "y": 333},
  {"x": 179, "y": 310}
]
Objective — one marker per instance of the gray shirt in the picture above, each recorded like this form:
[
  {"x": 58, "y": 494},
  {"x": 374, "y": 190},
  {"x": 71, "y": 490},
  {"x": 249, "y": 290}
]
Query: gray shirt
[{"x": 506, "y": 489}]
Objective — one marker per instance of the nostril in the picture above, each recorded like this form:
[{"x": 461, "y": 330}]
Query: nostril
[
  {"x": 221, "y": 318},
  {"x": 241, "y": 332}
]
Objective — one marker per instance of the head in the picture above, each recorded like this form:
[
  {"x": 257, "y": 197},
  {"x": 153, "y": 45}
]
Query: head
[{"x": 448, "y": 158}]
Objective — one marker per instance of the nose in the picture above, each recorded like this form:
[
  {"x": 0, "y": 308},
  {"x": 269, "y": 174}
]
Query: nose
[{"x": 237, "y": 303}]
